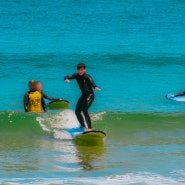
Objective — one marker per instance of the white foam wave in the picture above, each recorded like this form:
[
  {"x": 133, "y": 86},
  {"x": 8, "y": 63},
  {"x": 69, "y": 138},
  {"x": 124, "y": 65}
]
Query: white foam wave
[
  {"x": 58, "y": 123},
  {"x": 97, "y": 116},
  {"x": 127, "y": 179}
]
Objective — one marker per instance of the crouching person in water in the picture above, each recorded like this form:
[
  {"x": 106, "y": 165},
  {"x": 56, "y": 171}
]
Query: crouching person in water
[
  {"x": 86, "y": 85},
  {"x": 33, "y": 99}
]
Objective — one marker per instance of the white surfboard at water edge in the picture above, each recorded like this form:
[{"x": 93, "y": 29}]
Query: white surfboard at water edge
[{"x": 177, "y": 98}]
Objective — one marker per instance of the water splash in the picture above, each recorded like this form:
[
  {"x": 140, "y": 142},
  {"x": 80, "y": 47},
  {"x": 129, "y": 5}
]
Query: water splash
[{"x": 59, "y": 123}]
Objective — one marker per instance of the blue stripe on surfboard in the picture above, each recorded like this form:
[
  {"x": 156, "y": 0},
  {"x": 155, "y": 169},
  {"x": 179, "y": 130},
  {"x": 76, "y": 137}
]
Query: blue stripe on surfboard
[{"x": 76, "y": 131}]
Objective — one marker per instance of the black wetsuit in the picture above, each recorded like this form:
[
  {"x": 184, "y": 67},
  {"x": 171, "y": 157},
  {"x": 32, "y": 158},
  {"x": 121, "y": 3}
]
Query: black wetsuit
[
  {"x": 48, "y": 97},
  {"x": 86, "y": 85}
]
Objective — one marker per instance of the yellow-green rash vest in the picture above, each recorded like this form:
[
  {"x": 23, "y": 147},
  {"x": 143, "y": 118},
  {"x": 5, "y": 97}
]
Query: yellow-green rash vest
[{"x": 35, "y": 101}]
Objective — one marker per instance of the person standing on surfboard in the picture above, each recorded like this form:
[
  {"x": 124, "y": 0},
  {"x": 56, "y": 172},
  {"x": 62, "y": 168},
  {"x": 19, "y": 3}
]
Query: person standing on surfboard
[
  {"x": 86, "y": 85},
  {"x": 33, "y": 99}
]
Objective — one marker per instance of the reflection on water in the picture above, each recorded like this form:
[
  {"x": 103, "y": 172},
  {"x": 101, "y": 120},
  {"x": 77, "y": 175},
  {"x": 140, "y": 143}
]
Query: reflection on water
[
  {"x": 25, "y": 156},
  {"x": 18, "y": 154},
  {"x": 90, "y": 153}
]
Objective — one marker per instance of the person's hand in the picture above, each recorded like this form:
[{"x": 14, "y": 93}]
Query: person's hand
[
  {"x": 67, "y": 80},
  {"x": 172, "y": 96},
  {"x": 97, "y": 89}
]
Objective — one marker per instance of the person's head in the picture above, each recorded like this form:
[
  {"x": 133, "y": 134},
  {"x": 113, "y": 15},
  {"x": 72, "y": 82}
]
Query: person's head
[
  {"x": 81, "y": 69},
  {"x": 39, "y": 86},
  {"x": 32, "y": 85}
]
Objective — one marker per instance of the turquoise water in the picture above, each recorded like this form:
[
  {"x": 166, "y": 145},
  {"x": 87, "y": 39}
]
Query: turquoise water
[{"x": 135, "y": 52}]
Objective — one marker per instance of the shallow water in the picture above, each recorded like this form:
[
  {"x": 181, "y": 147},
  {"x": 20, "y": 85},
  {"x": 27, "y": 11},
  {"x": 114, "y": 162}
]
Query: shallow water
[
  {"x": 134, "y": 50},
  {"x": 140, "y": 148}
]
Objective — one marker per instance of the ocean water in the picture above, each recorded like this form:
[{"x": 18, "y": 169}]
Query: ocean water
[{"x": 134, "y": 50}]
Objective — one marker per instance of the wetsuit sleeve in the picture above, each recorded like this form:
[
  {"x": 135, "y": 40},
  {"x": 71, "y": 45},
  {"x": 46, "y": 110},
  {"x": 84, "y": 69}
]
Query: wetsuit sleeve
[
  {"x": 43, "y": 104},
  {"x": 180, "y": 94},
  {"x": 26, "y": 101},
  {"x": 92, "y": 81},
  {"x": 48, "y": 97},
  {"x": 70, "y": 77}
]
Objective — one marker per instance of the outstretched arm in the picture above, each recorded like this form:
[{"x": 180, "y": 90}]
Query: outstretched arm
[
  {"x": 70, "y": 77},
  {"x": 180, "y": 94},
  {"x": 48, "y": 97},
  {"x": 93, "y": 84},
  {"x": 26, "y": 102}
]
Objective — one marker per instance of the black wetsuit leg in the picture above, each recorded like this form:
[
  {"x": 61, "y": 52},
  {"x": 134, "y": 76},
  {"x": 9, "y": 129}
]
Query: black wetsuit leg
[
  {"x": 78, "y": 110},
  {"x": 81, "y": 111}
]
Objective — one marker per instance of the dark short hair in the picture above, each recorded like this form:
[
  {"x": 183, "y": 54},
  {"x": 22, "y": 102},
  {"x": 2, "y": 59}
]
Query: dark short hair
[{"x": 81, "y": 65}]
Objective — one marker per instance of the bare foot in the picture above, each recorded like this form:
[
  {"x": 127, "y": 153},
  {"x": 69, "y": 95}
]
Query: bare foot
[{"x": 89, "y": 129}]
